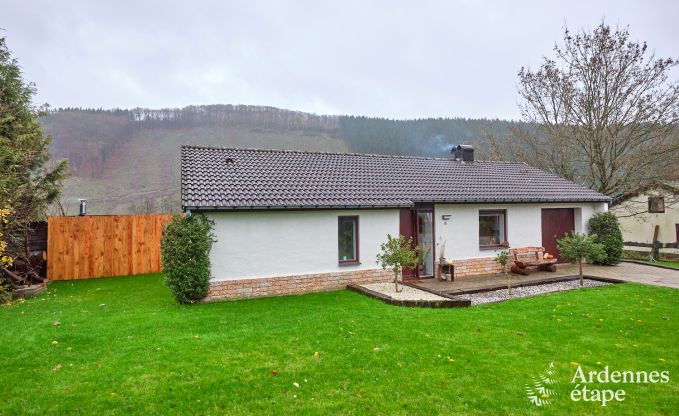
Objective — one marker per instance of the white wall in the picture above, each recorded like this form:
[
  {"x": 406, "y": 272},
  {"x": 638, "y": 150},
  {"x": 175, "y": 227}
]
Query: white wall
[
  {"x": 524, "y": 226},
  {"x": 280, "y": 243}
]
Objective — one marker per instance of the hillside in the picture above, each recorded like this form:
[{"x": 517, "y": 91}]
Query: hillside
[{"x": 127, "y": 161}]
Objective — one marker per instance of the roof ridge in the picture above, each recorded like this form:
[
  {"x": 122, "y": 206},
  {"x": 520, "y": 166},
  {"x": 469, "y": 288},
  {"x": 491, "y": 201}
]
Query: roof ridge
[{"x": 377, "y": 155}]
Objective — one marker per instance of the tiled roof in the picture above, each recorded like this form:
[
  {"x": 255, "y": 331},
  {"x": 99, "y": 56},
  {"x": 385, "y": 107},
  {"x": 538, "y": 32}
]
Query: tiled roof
[{"x": 227, "y": 178}]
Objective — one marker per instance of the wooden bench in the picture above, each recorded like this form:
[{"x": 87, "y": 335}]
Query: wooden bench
[{"x": 527, "y": 257}]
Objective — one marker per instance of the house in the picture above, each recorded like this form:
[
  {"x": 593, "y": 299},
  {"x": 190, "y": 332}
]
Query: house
[
  {"x": 296, "y": 221},
  {"x": 657, "y": 208}
]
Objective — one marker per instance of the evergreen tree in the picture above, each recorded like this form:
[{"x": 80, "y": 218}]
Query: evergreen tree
[{"x": 28, "y": 184}]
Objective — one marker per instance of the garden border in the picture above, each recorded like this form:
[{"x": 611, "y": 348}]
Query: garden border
[{"x": 449, "y": 302}]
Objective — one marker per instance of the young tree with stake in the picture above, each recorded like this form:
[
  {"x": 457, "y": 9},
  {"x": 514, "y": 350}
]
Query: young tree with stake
[
  {"x": 578, "y": 247},
  {"x": 398, "y": 254},
  {"x": 503, "y": 259}
]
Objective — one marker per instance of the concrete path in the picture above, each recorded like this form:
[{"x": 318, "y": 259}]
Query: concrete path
[
  {"x": 629, "y": 272},
  {"x": 639, "y": 273}
]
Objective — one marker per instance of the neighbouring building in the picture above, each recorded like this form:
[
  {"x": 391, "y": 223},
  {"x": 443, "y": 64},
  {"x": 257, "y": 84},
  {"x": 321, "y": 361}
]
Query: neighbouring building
[
  {"x": 294, "y": 221},
  {"x": 640, "y": 215}
]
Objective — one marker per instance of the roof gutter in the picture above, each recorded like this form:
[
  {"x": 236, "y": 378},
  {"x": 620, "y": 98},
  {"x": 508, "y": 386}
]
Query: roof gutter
[{"x": 369, "y": 206}]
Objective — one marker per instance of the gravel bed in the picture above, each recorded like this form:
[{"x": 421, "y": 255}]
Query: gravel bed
[
  {"x": 522, "y": 292},
  {"x": 408, "y": 293}
]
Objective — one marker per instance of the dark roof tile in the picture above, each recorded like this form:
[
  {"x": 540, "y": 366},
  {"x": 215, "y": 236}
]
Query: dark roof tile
[{"x": 253, "y": 178}]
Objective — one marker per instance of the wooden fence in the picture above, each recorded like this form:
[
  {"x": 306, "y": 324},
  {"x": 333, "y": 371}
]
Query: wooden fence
[{"x": 99, "y": 246}]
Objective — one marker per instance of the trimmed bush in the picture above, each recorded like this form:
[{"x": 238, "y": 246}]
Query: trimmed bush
[
  {"x": 185, "y": 246},
  {"x": 607, "y": 229}
]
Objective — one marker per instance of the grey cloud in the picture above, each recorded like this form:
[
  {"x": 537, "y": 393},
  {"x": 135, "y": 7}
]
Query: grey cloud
[{"x": 383, "y": 58}]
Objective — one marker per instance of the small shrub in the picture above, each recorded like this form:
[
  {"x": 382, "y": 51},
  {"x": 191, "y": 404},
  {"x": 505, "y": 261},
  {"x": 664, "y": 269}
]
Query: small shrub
[
  {"x": 503, "y": 259},
  {"x": 578, "y": 247},
  {"x": 607, "y": 229},
  {"x": 185, "y": 246},
  {"x": 5, "y": 293}
]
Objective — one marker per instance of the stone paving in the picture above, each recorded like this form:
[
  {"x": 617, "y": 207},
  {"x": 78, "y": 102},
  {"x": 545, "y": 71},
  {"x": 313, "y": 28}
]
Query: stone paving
[{"x": 407, "y": 293}]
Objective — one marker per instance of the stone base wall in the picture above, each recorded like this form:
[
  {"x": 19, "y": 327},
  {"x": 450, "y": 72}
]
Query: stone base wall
[
  {"x": 289, "y": 285},
  {"x": 472, "y": 267}
]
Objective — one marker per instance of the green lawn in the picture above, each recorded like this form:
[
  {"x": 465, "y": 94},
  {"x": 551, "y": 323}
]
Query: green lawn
[
  {"x": 669, "y": 263},
  {"x": 124, "y": 347},
  {"x": 661, "y": 262},
  {"x": 636, "y": 256}
]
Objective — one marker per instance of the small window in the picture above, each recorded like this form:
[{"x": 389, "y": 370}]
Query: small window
[
  {"x": 656, "y": 204},
  {"x": 348, "y": 240},
  {"x": 493, "y": 228}
]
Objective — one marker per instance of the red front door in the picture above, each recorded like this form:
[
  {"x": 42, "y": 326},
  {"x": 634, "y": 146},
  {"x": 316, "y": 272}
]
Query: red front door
[{"x": 556, "y": 222}]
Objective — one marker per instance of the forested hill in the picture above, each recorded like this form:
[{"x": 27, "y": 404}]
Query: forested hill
[{"x": 126, "y": 161}]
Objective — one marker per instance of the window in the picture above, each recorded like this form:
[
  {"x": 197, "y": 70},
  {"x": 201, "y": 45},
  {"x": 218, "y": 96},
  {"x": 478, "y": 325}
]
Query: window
[
  {"x": 347, "y": 239},
  {"x": 656, "y": 204},
  {"x": 493, "y": 228}
]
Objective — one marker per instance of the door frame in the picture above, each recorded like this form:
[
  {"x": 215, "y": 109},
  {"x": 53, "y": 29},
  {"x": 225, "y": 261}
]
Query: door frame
[{"x": 411, "y": 215}]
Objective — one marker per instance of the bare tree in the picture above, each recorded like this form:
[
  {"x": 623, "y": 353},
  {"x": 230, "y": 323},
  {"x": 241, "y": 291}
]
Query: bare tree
[{"x": 602, "y": 113}]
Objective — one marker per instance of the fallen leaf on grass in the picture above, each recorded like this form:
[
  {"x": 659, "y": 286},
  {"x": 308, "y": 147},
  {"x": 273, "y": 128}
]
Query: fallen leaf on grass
[
  {"x": 661, "y": 359},
  {"x": 55, "y": 342},
  {"x": 196, "y": 337},
  {"x": 296, "y": 384},
  {"x": 274, "y": 372},
  {"x": 574, "y": 363},
  {"x": 376, "y": 349},
  {"x": 519, "y": 334},
  {"x": 56, "y": 323},
  {"x": 317, "y": 354},
  {"x": 57, "y": 367}
]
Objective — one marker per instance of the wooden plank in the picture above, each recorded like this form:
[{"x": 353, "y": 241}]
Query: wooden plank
[
  {"x": 119, "y": 259},
  {"x": 109, "y": 239},
  {"x": 97, "y": 253},
  {"x": 149, "y": 240},
  {"x": 51, "y": 233}
]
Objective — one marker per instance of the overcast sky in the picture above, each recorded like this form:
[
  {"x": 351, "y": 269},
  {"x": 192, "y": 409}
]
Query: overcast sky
[{"x": 396, "y": 59}]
